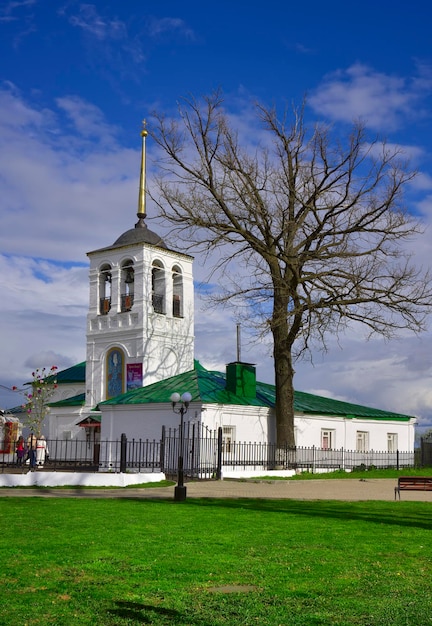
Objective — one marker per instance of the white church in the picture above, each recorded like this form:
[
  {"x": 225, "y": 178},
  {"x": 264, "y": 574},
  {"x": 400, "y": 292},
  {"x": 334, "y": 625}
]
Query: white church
[{"x": 140, "y": 349}]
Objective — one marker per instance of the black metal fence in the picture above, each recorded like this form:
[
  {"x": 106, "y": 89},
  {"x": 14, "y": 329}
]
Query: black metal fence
[
  {"x": 202, "y": 451},
  {"x": 61, "y": 455},
  {"x": 259, "y": 456},
  {"x": 205, "y": 455}
]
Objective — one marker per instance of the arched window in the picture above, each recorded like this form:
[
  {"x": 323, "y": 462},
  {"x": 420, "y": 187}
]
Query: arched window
[
  {"x": 114, "y": 382},
  {"x": 177, "y": 280},
  {"x": 105, "y": 278},
  {"x": 127, "y": 285},
  {"x": 158, "y": 287}
]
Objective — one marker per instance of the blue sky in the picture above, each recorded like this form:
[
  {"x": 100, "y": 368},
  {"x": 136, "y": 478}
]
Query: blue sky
[{"x": 76, "y": 80}]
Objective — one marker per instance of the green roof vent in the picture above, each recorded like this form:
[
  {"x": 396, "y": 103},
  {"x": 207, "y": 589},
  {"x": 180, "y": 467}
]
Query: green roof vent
[{"x": 241, "y": 379}]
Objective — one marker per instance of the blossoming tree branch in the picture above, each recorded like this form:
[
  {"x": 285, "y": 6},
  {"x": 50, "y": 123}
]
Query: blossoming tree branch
[{"x": 43, "y": 386}]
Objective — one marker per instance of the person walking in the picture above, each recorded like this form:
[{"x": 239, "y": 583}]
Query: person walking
[
  {"x": 31, "y": 447},
  {"x": 41, "y": 451},
  {"x": 20, "y": 450}
]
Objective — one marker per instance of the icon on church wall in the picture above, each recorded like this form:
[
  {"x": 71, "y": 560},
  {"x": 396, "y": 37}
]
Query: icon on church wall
[{"x": 115, "y": 373}]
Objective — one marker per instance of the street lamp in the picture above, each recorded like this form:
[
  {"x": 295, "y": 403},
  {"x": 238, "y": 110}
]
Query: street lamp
[{"x": 180, "y": 489}]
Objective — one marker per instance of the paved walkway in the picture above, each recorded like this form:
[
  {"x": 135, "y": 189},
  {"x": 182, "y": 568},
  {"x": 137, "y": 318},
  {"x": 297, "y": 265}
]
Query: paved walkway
[{"x": 331, "y": 489}]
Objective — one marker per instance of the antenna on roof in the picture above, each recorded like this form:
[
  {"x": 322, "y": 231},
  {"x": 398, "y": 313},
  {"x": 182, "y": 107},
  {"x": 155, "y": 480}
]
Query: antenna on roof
[{"x": 238, "y": 344}]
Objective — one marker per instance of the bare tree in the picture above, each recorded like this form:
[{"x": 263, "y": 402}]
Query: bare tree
[{"x": 318, "y": 223}]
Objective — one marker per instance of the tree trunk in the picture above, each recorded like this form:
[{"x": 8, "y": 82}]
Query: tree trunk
[{"x": 284, "y": 379}]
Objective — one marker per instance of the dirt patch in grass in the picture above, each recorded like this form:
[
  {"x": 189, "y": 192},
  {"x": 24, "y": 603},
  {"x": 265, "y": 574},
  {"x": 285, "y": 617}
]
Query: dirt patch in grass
[{"x": 232, "y": 589}]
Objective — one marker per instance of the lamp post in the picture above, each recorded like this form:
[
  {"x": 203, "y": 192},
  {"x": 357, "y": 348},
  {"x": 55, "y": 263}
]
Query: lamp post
[{"x": 180, "y": 489}]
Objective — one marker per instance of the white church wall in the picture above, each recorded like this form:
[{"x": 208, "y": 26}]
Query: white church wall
[
  {"x": 61, "y": 423},
  {"x": 308, "y": 430},
  {"x": 343, "y": 433},
  {"x": 247, "y": 423},
  {"x": 379, "y": 433},
  {"x": 141, "y": 421},
  {"x": 67, "y": 390},
  {"x": 253, "y": 424}
]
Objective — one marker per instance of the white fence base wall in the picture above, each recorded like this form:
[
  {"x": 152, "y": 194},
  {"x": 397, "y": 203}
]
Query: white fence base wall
[
  {"x": 259, "y": 473},
  {"x": 256, "y": 473},
  {"x": 78, "y": 479}
]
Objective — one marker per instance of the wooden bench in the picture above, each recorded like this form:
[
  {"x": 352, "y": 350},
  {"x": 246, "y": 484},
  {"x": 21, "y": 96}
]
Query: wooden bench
[{"x": 413, "y": 483}]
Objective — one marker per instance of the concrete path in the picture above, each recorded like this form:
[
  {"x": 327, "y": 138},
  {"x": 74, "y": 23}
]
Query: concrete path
[{"x": 331, "y": 489}]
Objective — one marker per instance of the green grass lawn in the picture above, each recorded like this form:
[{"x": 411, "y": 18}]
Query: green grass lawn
[{"x": 67, "y": 561}]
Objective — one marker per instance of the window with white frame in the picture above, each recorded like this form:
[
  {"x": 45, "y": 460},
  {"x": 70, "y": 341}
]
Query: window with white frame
[
  {"x": 392, "y": 442},
  {"x": 228, "y": 438},
  {"x": 327, "y": 439},
  {"x": 362, "y": 441}
]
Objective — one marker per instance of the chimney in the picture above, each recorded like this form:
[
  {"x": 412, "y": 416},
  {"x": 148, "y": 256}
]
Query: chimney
[{"x": 241, "y": 379}]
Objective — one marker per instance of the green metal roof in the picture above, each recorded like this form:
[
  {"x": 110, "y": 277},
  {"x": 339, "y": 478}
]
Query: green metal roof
[
  {"x": 209, "y": 387},
  {"x": 78, "y": 400},
  {"x": 317, "y": 405},
  {"x": 90, "y": 420},
  {"x": 204, "y": 386},
  {"x": 74, "y": 374},
  {"x": 16, "y": 410}
]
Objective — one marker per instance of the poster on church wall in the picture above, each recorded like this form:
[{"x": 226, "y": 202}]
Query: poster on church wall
[{"x": 134, "y": 376}]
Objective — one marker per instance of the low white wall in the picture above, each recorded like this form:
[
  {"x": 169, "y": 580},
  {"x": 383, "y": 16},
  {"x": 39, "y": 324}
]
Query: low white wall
[
  {"x": 257, "y": 473},
  {"x": 78, "y": 479}
]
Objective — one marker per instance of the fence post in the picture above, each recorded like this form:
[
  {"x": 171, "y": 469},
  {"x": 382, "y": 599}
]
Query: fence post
[
  {"x": 162, "y": 450},
  {"x": 123, "y": 444},
  {"x": 219, "y": 455},
  {"x": 397, "y": 459}
]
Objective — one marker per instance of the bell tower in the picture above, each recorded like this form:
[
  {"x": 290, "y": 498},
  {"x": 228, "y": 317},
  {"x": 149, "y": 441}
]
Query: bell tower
[{"x": 140, "y": 323}]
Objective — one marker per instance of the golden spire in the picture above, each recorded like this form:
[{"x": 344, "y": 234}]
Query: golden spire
[{"x": 142, "y": 191}]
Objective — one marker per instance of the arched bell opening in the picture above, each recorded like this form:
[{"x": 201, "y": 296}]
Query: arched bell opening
[
  {"x": 127, "y": 285},
  {"x": 158, "y": 288},
  {"x": 177, "y": 289},
  {"x": 105, "y": 280}
]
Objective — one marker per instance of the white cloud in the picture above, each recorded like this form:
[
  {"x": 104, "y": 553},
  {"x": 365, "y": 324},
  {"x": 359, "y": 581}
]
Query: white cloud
[
  {"x": 91, "y": 22},
  {"x": 422, "y": 182},
  {"x": 53, "y": 183},
  {"x": 19, "y": 113},
  {"x": 9, "y": 8},
  {"x": 379, "y": 99},
  {"x": 87, "y": 119},
  {"x": 107, "y": 37},
  {"x": 393, "y": 376},
  {"x": 169, "y": 25},
  {"x": 42, "y": 316}
]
